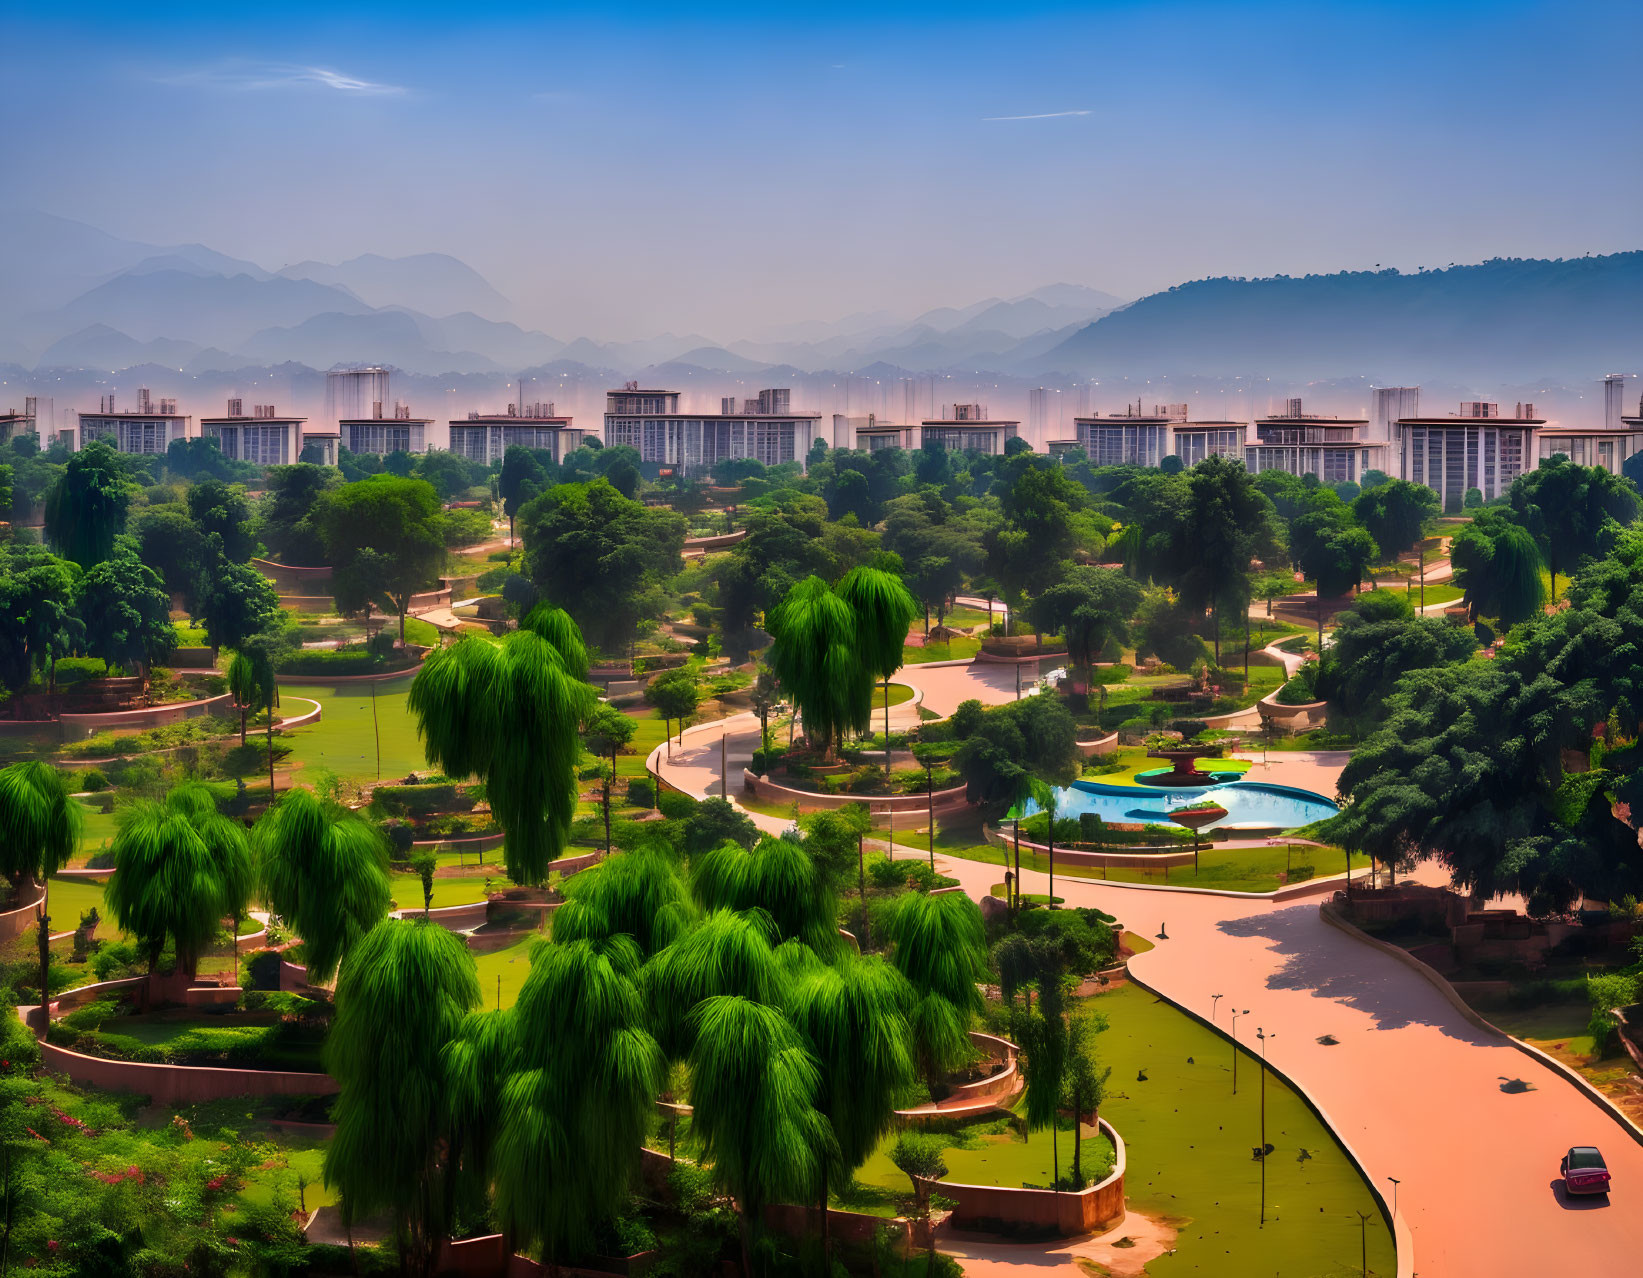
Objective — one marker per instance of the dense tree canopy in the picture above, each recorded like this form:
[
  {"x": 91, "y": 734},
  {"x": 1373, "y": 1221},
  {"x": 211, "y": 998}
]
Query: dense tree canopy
[
  {"x": 1573, "y": 512},
  {"x": 396, "y": 517},
  {"x": 125, "y": 609},
  {"x": 1376, "y": 643},
  {"x": 86, "y": 508},
  {"x": 1497, "y": 566}
]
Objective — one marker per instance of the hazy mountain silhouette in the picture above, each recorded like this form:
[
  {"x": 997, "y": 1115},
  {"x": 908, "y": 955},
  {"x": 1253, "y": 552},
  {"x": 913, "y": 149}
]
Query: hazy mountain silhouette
[
  {"x": 433, "y": 283},
  {"x": 1516, "y": 318}
]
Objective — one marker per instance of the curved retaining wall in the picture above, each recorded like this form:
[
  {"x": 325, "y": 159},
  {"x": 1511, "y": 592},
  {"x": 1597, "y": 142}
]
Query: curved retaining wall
[
  {"x": 14, "y": 922},
  {"x": 998, "y": 1209},
  {"x": 947, "y": 801},
  {"x": 1310, "y": 714},
  {"x": 1101, "y": 745},
  {"x": 75, "y": 727}
]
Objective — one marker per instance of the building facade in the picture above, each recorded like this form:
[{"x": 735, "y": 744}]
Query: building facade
[
  {"x": 1474, "y": 448},
  {"x": 870, "y": 434},
  {"x": 486, "y": 438},
  {"x": 264, "y": 438},
  {"x": 765, "y": 428},
  {"x": 400, "y": 433},
  {"x": 1609, "y": 446},
  {"x": 1337, "y": 450},
  {"x": 149, "y": 429},
  {"x": 968, "y": 428},
  {"x": 1137, "y": 438}
]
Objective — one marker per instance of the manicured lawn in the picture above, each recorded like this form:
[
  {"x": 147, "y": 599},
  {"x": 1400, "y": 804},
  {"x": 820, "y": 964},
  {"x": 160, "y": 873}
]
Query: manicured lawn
[
  {"x": 960, "y": 649},
  {"x": 1189, "y": 1142},
  {"x": 344, "y": 740},
  {"x": 406, "y": 889},
  {"x": 70, "y": 898},
  {"x": 992, "y": 1151},
  {"x": 96, "y": 829},
  {"x": 899, "y": 693},
  {"x": 511, "y": 965}
]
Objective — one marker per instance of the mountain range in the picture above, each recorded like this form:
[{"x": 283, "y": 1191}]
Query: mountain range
[{"x": 81, "y": 299}]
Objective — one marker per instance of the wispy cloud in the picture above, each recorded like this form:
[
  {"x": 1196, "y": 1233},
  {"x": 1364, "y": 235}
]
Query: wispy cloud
[
  {"x": 238, "y": 75},
  {"x": 1045, "y": 115}
]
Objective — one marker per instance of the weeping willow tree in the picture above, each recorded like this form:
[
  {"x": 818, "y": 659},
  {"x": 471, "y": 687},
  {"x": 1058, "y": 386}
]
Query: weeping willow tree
[
  {"x": 482, "y": 1056},
  {"x": 181, "y": 867},
  {"x": 816, "y": 659},
  {"x": 555, "y": 625},
  {"x": 402, "y": 997},
  {"x": 779, "y": 877},
  {"x": 726, "y": 953},
  {"x": 884, "y": 609},
  {"x": 1497, "y": 566},
  {"x": 39, "y": 829},
  {"x": 854, "y": 1018},
  {"x": 324, "y": 870},
  {"x": 937, "y": 943},
  {"x": 578, "y": 1104},
  {"x": 510, "y": 715},
  {"x": 752, "y": 1094},
  {"x": 637, "y": 894}
]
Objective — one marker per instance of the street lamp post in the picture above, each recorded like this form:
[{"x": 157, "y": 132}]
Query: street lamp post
[
  {"x": 1213, "y": 1000},
  {"x": 1363, "y": 1243},
  {"x": 1263, "y": 1036},
  {"x": 1395, "y": 1183},
  {"x": 1235, "y": 1015}
]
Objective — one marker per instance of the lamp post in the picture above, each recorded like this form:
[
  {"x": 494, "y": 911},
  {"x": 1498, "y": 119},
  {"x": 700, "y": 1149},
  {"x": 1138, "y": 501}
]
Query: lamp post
[
  {"x": 1235, "y": 1015},
  {"x": 1213, "y": 1000},
  {"x": 1363, "y": 1243},
  {"x": 1395, "y": 1183},
  {"x": 1263, "y": 1036}
]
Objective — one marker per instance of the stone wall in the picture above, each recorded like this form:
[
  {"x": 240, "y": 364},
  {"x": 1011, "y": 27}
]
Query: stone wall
[{"x": 946, "y": 801}]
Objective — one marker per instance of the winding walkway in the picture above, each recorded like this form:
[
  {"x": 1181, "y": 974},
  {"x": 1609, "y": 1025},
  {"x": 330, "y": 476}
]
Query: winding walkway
[{"x": 1471, "y": 1125}]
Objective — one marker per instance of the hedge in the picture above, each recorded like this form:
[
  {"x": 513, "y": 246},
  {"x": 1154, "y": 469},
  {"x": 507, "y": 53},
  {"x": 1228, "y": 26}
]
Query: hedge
[
  {"x": 338, "y": 661},
  {"x": 420, "y": 800}
]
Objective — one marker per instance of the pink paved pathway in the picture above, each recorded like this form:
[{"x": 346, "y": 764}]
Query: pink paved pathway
[{"x": 1412, "y": 1088}]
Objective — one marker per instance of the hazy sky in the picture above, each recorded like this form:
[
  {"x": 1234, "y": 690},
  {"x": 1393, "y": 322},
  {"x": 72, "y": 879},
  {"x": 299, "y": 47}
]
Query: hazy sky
[{"x": 625, "y": 170}]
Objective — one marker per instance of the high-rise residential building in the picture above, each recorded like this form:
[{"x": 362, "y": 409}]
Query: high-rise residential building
[
  {"x": 1136, "y": 437},
  {"x": 1388, "y": 406},
  {"x": 1477, "y": 447},
  {"x": 266, "y": 437},
  {"x": 968, "y": 428},
  {"x": 399, "y": 433},
  {"x": 149, "y": 428},
  {"x": 1609, "y": 445},
  {"x": 27, "y": 422},
  {"x": 765, "y": 428},
  {"x": 355, "y": 394},
  {"x": 486, "y": 437},
  {"x": 870, "y": 433},
  {"x": 1336, "y": 449}
]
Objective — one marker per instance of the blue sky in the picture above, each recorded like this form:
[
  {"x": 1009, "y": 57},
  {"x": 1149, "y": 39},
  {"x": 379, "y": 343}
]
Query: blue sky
[{"x": 624, "y": 170}]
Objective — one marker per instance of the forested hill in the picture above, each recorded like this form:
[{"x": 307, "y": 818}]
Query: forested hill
[{"x": 1511, "y": 319}]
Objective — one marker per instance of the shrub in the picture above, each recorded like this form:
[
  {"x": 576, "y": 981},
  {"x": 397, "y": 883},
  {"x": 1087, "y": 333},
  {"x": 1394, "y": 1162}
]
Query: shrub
[
  {"x": 1111, "y": 674},
  {"x": 641, "y": 792},
  {"x": 260, "y": 971},
  {"x": 420, "y": 799},
  {"x": 92, "y": 780},
  {"x": 321, "y": 662},
  {"x": 71, "y": 670},
  {"x": 1302, "y": 688},
  {"x": 674, "y": 805}
]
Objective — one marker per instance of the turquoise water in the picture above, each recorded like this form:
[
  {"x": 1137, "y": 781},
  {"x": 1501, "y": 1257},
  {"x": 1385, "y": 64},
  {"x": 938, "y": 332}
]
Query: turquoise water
[{"x": 1249, "y": 804}]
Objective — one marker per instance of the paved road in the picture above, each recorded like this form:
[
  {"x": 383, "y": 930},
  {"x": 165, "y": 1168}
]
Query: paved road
[{"x": 1412, "y": 1088}]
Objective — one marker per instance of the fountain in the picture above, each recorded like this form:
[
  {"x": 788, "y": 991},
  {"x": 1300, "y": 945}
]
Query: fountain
[{"x": 1183, "y": 771}]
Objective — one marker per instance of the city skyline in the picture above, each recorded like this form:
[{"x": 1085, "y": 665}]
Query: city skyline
[{"x": 622, "y": 174}]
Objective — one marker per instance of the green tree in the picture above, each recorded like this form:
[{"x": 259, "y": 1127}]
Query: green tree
[
  {"x": 883, "y": 611},
  {"x": 1092, "y": 607},
  {"x": 607, "y": 733},
  {"x": 285, "y": 515},
  {"x": 1497, "y": 566},
  {"x": 1375, "y": 643},
  {"x": 234, "y": 602},
  {"x": 475, "y": 701},
  {"x": 601, "y": 556},
  {"x": 220, "y": 510},
  {"x": 448, "y": 472},
  {"x": 39, "y": 830},
  {"x": 323, "y": 868},
  {"x": 1327, "y": 545},
  {"x": 638, "y": 894},
  {"x": 1228, "y": 523},
  {"x": 1396, "y": 513},
  {"x": 1084, "y": 1082},
  {"x": 999, "y": 749},
  {"x": 402, "y": 997},
  {"x": 181, "y": 868},
  {"x": 250, "y": 683},
  {"x": 673, "y": 694},
  {"x": 939, "y": 547},
  {"x": 753, "y": 1087},
  {"x": 171, "y": 543},
  {"x": 397, "y": 517},
  {"x": 125, "y": 610},
  {"x": 777, "y": 876},
  {"x": 522, "y": 478},
  {"x": 86, "y": 507},
  {"x": 936, "y": 942},
  {"x": 37, "y": 598},
  {"x": 1573, "y": 512},
  {"x": 817, "y": 660}
]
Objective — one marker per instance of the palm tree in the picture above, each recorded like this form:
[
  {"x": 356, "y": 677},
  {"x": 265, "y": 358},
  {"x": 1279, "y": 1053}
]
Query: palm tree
[
  {"x": 937, "y": 943},
  {"x": 510, "y": 714},
  {"x": 402, "y": 997},
  {"x": 854, "y": 1019},
  {"x": 1047, "y": 797},
  {"x": 578, "y": 1105},
  {"x": 816, "y": 659},
  {"x": 753, "y": 1085},
  {"x": 39, "y": 830},
  {"x": 181, "y": 867},
  {"x": 884, "y": 609},
  {"x": 324, "y": 870}
]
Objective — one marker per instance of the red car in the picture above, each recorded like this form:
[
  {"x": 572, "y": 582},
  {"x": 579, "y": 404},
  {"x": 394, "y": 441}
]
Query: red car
[{"x": 1584, "y": 1172}]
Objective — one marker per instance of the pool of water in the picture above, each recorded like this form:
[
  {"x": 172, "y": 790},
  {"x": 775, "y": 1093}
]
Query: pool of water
[{"x": 1249, "y": 804}]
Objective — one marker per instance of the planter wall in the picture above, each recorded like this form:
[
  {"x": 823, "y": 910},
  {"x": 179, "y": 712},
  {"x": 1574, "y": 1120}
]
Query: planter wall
[
  {"x": 946, "y": 801},
  {"x": 1101, "y": 745},
  {"x": 1000, "y": 1210},
  {"x": 77, "y": 727},
  {"x": 1311, "y": 714},
  {"x": 14, "y": 922},
  {"x": 288, "y": 578}
]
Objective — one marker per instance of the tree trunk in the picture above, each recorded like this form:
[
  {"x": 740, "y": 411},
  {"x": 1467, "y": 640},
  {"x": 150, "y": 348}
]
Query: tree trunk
[
  {"x": 747, "y": 1251},
  {"x": 1051, "y": 901},
  {"x": 608, "y": 778},
  {"x": 887, "y": 725},
  {"x": 861, "y": 870},
  {"x": 45, "y": 959},
  {"x": 1018, "y": 864},
  {"x": 244, "y": 712},
  {"x": 270, "y": 749},
  {"x": 1078, "y": 1145}
]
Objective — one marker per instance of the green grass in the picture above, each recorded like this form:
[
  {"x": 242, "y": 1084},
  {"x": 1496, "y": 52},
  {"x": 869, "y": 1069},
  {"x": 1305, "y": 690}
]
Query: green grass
[
  {"x": 406, "y": 890},
  {"x": 343, "y": 741},
  {"x": 1437, "y": 592},
  {"x": 960, "y": 649},
  {"x": 991, "y": 1151},
  {"x": 1189, "y": 1141},
  {"x": 510, "y": 965},
  {"x": 899, "y": 693},
  {"x": 96, "y": 829},
  {"x": 421, "y": 632},
  {"x": 70, "y": 898}
]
